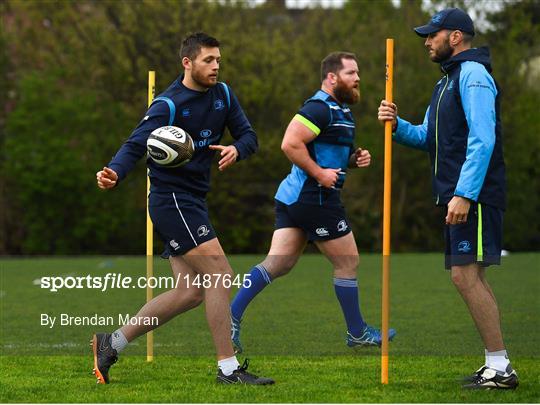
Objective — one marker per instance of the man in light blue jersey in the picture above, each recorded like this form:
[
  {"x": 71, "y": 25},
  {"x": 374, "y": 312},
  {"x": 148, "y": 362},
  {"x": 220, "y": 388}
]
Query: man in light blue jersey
[
  {"x": 319, "y": 141},
  {"x": 462, "y": 133}
]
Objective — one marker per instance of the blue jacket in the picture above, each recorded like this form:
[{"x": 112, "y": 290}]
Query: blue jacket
[
  {"x": 203, "y": 115},
  {"x": 462, "y": 132}
]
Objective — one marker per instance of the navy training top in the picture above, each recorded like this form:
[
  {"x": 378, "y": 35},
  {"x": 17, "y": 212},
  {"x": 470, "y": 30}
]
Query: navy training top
[
  {"x": 334, "y": 127},
  {"x": 204, "y": 116}
]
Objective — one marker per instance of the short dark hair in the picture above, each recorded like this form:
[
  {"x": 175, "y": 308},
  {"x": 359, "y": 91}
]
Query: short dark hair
[
  {"x": 334, "y": 62},
  {"x": 467, "y": 37},
  {"x": 191, "y": 46}
]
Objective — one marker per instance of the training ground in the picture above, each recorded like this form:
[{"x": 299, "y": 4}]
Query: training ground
[{"x": 293, "y": 332}]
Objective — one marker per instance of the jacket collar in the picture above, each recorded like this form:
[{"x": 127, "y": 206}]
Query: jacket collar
[{"x": 480, "y": 55}]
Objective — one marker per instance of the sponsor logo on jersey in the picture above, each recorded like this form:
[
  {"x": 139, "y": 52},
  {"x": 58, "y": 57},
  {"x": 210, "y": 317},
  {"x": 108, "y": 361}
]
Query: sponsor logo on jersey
[
  {"x": 322, "y": 232},
  {"x": 219, "y": 104},
  {"x": 186, "y": 112},
  {"x": 205, "y": 133},
  {"x": 175, "y": 245}
]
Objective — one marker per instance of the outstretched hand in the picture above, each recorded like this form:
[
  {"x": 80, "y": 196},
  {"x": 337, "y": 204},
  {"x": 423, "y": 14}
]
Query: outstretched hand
[
  {"x": 106, "y": 178},
  {"x": 228, "y": 154}
]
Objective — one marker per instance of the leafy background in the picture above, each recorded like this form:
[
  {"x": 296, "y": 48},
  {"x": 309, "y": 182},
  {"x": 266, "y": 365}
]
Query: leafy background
[{"x": 73, "y": 79}]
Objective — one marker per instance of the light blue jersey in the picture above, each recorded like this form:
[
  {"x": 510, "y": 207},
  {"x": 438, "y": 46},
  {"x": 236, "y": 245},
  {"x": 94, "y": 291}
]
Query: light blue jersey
[{"x": 333, "y": 125}]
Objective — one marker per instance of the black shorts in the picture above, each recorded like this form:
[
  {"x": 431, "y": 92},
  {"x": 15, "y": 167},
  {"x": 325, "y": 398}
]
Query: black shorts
[
  {"x": 479, "y": 240},
  {"x": 181, "y": 220},
  {"x": 320, "y": 222}
]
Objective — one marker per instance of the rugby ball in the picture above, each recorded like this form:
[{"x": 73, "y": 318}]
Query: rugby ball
[{"x": 170, "y": 146}]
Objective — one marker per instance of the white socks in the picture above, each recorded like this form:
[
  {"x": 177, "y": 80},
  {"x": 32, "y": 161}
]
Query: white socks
[
  {"x": 497, "y": 360},
  {"x": 118, "y": 341},
  {"x": 227, "y": 366}
]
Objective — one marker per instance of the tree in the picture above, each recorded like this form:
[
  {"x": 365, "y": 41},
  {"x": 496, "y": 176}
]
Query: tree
[{"x": 77, "y": 95}]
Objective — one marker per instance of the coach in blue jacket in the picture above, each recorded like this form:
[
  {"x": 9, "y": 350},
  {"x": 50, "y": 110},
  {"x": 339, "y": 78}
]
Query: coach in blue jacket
[{"x": 462, "y": 133}]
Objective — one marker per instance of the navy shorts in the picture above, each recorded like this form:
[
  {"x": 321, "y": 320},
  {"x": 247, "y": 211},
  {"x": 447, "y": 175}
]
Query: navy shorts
[
  {"x": 181, "y": 220},
  {"x": 479, "y": 240},
  {"x": 320, "y": 222}
]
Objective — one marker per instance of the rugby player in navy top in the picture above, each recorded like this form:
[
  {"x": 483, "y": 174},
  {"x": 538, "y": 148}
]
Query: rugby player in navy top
[
  {"x": 203, "y": 107},
  {"x": 319, "y": 141},
  {"x": 462, "y": 133}
]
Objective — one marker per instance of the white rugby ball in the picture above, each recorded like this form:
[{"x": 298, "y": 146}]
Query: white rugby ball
[{"x": 170, "y": 146}]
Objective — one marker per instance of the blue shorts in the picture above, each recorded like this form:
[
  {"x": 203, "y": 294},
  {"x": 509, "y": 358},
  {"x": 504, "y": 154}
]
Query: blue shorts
[
  {"x": 320, "y": 222},
  {"x": 479, "y": 240},
  {"x": 181, "y": 220}
]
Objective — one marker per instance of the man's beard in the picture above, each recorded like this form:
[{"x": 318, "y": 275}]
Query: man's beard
[
  {"x": 346, "y": 95},
  {"x": 202, "y": 80},
  {"x": 443, "y": 53}
]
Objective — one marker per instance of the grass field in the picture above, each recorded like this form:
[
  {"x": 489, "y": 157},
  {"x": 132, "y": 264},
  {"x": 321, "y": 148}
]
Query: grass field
[{"x": 293, "y": 332}]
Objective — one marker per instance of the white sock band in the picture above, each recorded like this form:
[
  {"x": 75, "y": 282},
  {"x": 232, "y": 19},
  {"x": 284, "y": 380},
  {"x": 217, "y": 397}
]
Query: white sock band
[
  {"x": 227, "y": 366},
  {"x": 498, "y": 360},
  {"x": 118, "y": 341}
]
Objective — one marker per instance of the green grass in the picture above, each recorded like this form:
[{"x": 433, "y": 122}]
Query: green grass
[
  {"x": 293, "y": 332},
  {"x": 299, "y": 379}
]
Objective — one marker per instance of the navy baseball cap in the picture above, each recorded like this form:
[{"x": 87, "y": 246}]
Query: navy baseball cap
[{"x": 451, "y": 19}]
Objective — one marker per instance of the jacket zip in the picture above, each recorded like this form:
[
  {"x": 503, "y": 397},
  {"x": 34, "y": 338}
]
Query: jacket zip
[{"x": 437, "y": 130}]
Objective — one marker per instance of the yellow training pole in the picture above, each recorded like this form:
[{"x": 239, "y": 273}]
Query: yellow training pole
[
  {"x": 149, "y": 230},
  {"x": 387, "y": 213}
]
